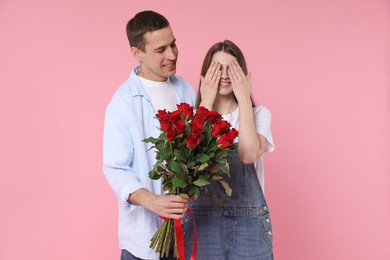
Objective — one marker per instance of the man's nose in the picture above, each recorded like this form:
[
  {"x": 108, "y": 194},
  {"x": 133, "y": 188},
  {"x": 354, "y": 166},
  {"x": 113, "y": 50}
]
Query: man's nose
[{"x": 171, "y": 53}]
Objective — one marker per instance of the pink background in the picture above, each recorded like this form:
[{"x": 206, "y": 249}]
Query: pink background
[{"x": 321, "y": 67}]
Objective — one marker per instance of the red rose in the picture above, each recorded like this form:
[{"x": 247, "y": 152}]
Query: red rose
[
  {"x": 213, "y": 116},
  {"x": 180, "y": 127},
  {"x": 193, "y": 141},
  {"x": 171, "y": 135},
  {"x": 163, "y": 117},
  {"x": 161, "y": 113},
  {"x": 227, "y": 139},
  {"x": 165, "y": 125},
  {"x": 233, "y": 133},
  {"x": 185, "y": 109},
  {"x": 220, "y": 128},
  {"x": 196, "y": 127},
  {"x": 202, "y": 110},
  {"x": 174, "y": 116},
  {"x": 224, "y": 141},
  {"x": 201, "y": 114}
]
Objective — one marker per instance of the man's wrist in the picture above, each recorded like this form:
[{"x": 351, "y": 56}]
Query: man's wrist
[
  {"x": 141, "y": 197},
  {"x": 128, "y": 198}
]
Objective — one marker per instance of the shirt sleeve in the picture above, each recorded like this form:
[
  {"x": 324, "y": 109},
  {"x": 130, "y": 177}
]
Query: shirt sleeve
[
  {"x": 118, "y": 153},
  {"x": 263, "y": 126}
]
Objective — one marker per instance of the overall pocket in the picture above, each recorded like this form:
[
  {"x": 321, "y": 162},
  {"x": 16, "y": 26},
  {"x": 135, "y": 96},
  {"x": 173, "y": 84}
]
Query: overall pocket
[{"x": 266, "y": 228}]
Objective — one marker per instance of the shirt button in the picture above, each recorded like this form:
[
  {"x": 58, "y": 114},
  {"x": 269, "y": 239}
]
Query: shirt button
[
  {"x": 267, "y": 220},
  {"x": 265, "y": 208},
  {"x": 269, "y": 233}
]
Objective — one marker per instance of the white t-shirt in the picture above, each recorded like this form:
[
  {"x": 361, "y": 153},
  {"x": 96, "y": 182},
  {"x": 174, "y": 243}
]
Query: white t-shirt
[
  {"x": 263, "y": 126},
  {"x": 161, "y": 94}
]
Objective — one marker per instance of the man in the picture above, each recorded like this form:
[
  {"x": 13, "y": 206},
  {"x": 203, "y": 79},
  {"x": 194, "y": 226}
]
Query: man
[{"x": 130, "y": 118}]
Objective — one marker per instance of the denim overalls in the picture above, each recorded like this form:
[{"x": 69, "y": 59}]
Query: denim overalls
[{"x": 231, "y": 228}]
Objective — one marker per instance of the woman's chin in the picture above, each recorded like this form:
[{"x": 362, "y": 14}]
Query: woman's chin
[{"x": 225, "y": 90}]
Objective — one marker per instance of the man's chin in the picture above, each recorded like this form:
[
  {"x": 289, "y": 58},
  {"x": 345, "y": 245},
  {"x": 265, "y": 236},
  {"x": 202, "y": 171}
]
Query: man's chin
[{"x": 170, "y": 72}]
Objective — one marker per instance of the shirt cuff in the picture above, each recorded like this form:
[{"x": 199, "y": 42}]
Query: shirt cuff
[{"x": 127, "y": 190}]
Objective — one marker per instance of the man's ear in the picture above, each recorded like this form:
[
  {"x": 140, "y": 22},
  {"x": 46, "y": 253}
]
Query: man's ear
[{"x": 136, "y": 53}]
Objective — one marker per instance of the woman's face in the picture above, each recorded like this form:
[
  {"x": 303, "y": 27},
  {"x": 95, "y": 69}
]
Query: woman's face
[{"x": 224, "y": 59}]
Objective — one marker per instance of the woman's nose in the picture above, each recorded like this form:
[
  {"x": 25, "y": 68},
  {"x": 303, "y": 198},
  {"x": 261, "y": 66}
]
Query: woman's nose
[{"x": 224, "y": 73}]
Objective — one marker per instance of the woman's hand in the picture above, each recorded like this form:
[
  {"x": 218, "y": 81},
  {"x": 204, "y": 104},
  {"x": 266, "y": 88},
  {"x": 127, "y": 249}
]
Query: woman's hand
[
  {"x": 209, "y": 85},
  {"x": 240, "y": 82}
]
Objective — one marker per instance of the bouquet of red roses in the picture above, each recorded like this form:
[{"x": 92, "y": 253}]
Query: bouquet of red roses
[{"x": 191, "y": 151}]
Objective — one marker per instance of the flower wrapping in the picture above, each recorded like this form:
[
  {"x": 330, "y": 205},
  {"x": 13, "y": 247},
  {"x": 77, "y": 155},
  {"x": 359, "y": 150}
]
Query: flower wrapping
[{"x": 191, "y": 153}]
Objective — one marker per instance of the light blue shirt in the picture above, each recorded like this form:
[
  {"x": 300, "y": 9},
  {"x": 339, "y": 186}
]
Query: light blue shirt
[{"x": 130, "y": 118}]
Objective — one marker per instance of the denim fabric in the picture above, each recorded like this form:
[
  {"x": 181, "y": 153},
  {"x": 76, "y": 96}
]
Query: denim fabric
[
  {"x": 231, "y": 228},
  {"x": 126, "y": 255}
]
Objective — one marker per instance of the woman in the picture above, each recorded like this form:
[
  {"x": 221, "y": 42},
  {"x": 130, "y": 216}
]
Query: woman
[{"x": 236, "y": 227}]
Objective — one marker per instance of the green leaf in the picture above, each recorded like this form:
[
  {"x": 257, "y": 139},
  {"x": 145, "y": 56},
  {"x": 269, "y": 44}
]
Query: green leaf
[
  {"x": 221, "y": 154},
  {"x": 194, "y": 192},
  {"x": 227, "y": 188},
  {"x": 175, "y": 166},
  {"x": 159, "y": 166},
  {"x": 154, "y": 175},
  {"x": 189, "y": 179},
  {"x": 151, "y": 140},
  {"x": 177, "y": 182},
  {"x": 165, "y": 153},
  {"x": 179, "y": 154},
  {"x": 168, "y": 187},
  {"x": 210, "y": 155},
  {"x": 201, "y": 181},
  {"x": 191, "y": 164},
  {"x": 213, "y": 145},
  {"x": 224, "y": 166},
  {"x": 167, "y": 180},
  {"x": 214, "y": 168},
  {"x": 182, "y": 145},
  {"x": 203, "y": 158},
  {"x": 185, "y": 168},
  {"x": 203, "y": 166},
  {"x": 182, "y": 175}
]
